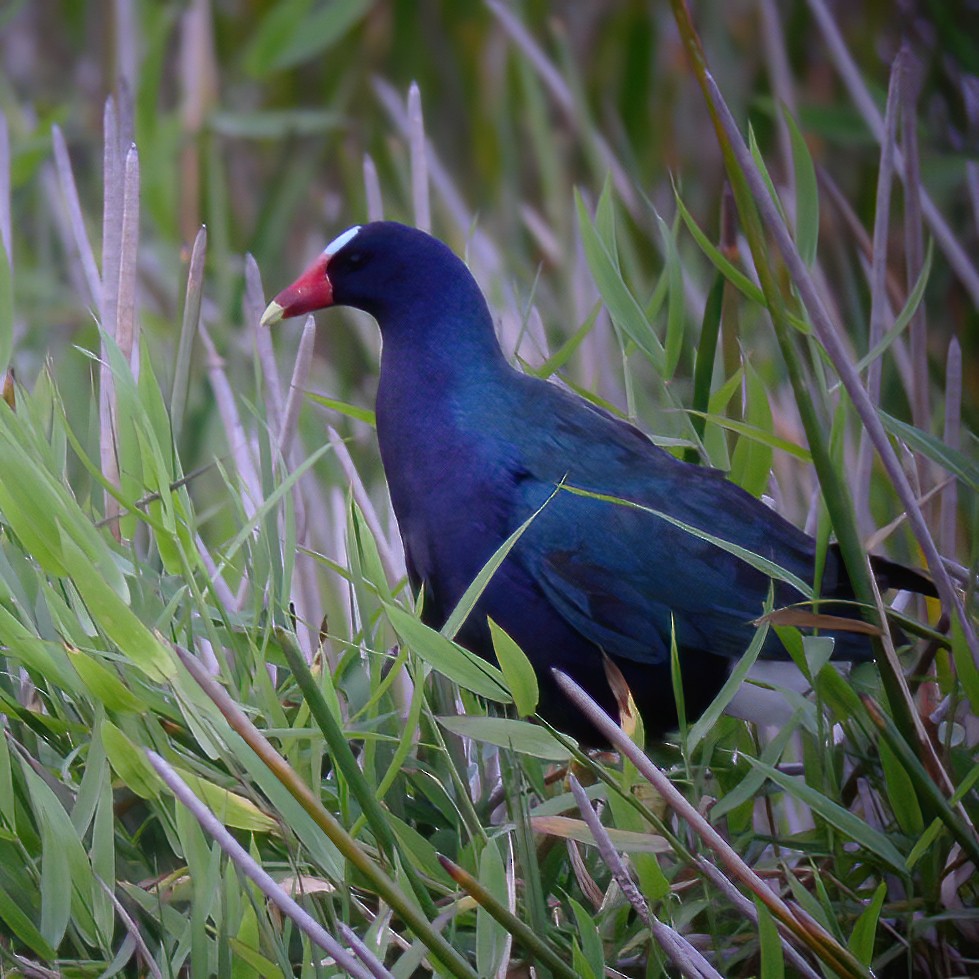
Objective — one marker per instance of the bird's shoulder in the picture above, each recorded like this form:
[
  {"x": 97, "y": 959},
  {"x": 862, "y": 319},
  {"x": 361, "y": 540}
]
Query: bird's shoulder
[{"x": 553, "y": 435}]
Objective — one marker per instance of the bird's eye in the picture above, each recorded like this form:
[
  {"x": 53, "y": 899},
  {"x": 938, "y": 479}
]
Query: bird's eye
[{"x": 355, "y": 258}]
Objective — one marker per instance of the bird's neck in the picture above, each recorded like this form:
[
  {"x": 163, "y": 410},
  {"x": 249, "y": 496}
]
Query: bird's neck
[{"x": 427, "y": 359}]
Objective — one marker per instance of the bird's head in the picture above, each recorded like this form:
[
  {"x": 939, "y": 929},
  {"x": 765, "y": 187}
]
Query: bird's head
[{"x": 375, "y": 267}]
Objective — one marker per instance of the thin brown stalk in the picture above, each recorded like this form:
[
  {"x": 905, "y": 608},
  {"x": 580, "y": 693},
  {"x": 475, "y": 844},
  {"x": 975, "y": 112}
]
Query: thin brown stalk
[
  {"x": 5, "y": 191},
  {"x": 811, "y": 934},
  {"x": 610, "y": 855},
  {"x": 352, "y": 851},
  {"x": 198, "y": 92},
  {"x": 188, "y": 332},
  {"x": 829, "y": 338},
  {"x": 419, "y": 160},
  {"x": 680, "y": 952},
  {"x": 111, "y": 251},
  {"x": 127, "y": 47},
  {"x": 240, "y": 857},
  {"x": 536, "y": 945},
  {"x": 748, "y": 909},
  {"x": 297, "y": 388},
  {"x": 238, "y": 442},
  {"x": 76, "y": 221},
  {"x": 783, "y": 88},
  {"x": 252, "y": 306},
  {"x": 878, "y": 286},
  {"x": 481, "y": 247},
  {"x": 914, "y": 238},
  {"x": 957, "y": 257},
  {"x": 953, "y": 436},
  {"x": 393, "y": 566},
  {"x": 127, "y": 326},
  {"x": 305, "y": 594},
  {"x": 372, "y": 190},
  {"x": 564, "y": 98},
  {"x": 221, "y": 590},
  {"x": 132, "y": 929}
]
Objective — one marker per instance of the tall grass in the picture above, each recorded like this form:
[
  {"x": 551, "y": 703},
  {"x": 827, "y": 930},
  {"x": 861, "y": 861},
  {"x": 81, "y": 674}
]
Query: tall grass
[{"x": 229, "y": 745}]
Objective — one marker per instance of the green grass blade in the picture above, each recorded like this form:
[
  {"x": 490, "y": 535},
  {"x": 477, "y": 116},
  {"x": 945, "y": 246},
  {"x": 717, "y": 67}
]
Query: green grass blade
[
  {"x": 806, "y": 192},
  {"x": 853, "y": 827}
]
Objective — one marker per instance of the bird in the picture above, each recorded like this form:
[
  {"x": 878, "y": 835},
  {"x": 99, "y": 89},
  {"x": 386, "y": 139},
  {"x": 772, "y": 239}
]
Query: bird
[{"x": 620, "y": 558}]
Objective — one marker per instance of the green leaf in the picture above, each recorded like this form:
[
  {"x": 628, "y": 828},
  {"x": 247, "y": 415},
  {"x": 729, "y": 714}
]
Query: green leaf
[
  {"x": 729, "y": 270},
  {"x": 366, "y": 560},
  {"x": 491, "y": 936},
  {"x": 904, "y": 317},
  {"x": 605, "y": 220},
  {"x": 115, "y": 618},
  {"x": 710, "y": 717},
  {"x": 763, "y": 171},
  {"x": 13, "y": 916},
  {"x": 449, "y": 658},
  {"x": 323, "y": 852},
  {"x": 232, "y": 809},
  {"x": 864, "y": 933},
  {"x": 706, "y": 356},
  {"x": 8, "y": 808},
  {"x": 926, "y": 842},
  {"x": 901, "y": 793},
  {"x": 279, "y": 124},
  {"x": 770, "y": 943},
  {"x": 626, "y": 840},
  {"x": 103, "y": 684},
  {"x": 67, "y": 882},
  {"x": 837, "y": 693},
  {"x": 951, "y": 460},
  {"x": 965, "y": 665},
  {"x": 40, "y": 509},
  {"x": 103, "y": 850},
  {"x": 418, "y": 849},
  {"x": 851, "y": 826},
  {"x": 271, "y": 502},
  {"x": 43, "y": 657},
  {"x": 55, "y": 886},
  {"x": 291, "y": 32},
  {"x": 806, "y": 192},
  {"x": 351, "y": 411},
  {"x": 505, "y": 732},
  {"x": 129, "y": 762},
  {"x": 622, "y": 306},
  {"x": 563, "y": 354},
  {"x": 6, "y": 310},
  {"x": 249, "y": 962},
  {"x": 755, "y": 434},
  {"x": 591, "y": 941},
  {"x": 582, "y": 967},
  {"x": 517, "y": 670},
  {"x": 675, "y": 322},
  {"x": 751, "y": 462},
  {"x": 724, "y": 265},
  {"x": 749, "y": 788}
]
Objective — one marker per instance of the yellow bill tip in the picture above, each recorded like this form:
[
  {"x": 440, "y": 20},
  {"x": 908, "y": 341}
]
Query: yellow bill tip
[{"x": 272, "y": 314}]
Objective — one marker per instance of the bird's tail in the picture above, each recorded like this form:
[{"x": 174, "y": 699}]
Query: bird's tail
[{"x": 890, "y": 574}]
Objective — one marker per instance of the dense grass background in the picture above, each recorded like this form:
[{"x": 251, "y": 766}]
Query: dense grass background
[{"x": 178, "y": 487}]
